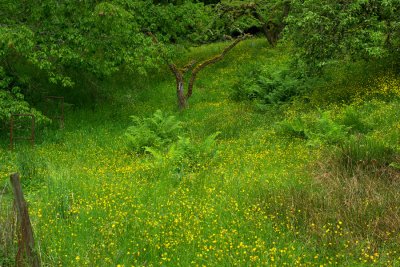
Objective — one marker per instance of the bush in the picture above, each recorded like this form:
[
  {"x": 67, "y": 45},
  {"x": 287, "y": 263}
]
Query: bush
[
  {"x": 12, "y": 101},
  {"x": 268, "y": 86},
  {"x": 158, "y": 131},
  {"x": 325, "y": 130},
  {"x": 293, "y": 128},
  {"x": 185, "y": 153},
  {"x": 317, "y": 130},
  {"x": 184, "y": 157},
  {"x": 352, "y": 119},
  {"x": 161, "y": 137}
]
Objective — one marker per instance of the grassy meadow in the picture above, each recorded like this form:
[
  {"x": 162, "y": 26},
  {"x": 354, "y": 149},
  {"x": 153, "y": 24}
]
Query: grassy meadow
[{"x": 309, "y": 182}]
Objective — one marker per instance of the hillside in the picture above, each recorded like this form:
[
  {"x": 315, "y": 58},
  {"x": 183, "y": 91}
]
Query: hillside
[{"x": 308, "y": 181}]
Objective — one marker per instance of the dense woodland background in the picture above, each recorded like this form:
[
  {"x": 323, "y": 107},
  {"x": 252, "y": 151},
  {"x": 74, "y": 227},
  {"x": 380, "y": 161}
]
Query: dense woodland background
[
  {"x": 60, "y": 40},
  {"x": 212, "y": 133}
]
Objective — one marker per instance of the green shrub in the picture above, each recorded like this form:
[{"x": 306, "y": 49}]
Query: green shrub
[
  {"x": 268, "y": 85},
  {"x": 157, "y": 131},
  {"x": 12, "y": 101},
  {"x": 187, "y": 154},
  {"x": 327, "y": 131},
  {"x": 321, "y": 129},
  {"x": 245, "y": 87},
  {"x": 353, "y": 120},
  {"x": 161, "y": 137},
  {"x": 293, "y": 128}
]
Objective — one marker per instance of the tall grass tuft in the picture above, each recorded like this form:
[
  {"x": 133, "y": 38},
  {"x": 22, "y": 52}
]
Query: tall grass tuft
[
  {"x": 365, "y": 152},
  {"x": 8, "y": 227}
]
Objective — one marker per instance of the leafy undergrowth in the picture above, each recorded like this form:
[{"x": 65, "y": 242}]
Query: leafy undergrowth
[{"x": 290, "y": 186}]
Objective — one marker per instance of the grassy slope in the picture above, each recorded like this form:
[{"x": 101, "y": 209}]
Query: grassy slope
[{"x": 92, "y": 203}]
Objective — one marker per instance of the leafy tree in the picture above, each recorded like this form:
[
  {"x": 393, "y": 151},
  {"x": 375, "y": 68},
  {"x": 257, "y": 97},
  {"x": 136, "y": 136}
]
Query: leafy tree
[
  {"x": 13, "y": 102},
  {"x": 328, "y": 30},
  {"x": 268, "y": 15},
  {"x": 194, "y": 67},
  {"x": 85, "y": 35},
  {"x": 58, "y": 38},
  {"x": 176, "y": 22},
  {"x": 98, "y": 39}
]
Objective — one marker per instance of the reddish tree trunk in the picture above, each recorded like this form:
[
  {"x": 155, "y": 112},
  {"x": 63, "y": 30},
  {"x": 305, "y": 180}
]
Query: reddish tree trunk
[
  {"x": 180, "y": 86},
  {"x": 179, "y": 73}
]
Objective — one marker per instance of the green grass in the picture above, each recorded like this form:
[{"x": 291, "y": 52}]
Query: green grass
[{"x": 265, "y": 198}]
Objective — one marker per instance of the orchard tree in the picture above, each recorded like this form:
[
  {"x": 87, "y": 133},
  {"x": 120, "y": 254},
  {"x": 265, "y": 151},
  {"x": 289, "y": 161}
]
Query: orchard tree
[
  {"x": 269, "y": 15},
  {"x": 326, "y": 30},
  {"x": 184, "y": 23},
  {"x": 85, "y": 35},
  {"x": 193, "y": 67},
  {"x": 91, "y": 37},
  {"x": 57, "y": 38}
]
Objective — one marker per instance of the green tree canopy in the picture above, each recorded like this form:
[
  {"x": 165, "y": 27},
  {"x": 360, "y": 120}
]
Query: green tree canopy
[
  {"x": 55, "y": 36},
  {"x": 268, "y": 15},
  {"x": 59, "y": 38},
  {"x": 327, "y": 30}
]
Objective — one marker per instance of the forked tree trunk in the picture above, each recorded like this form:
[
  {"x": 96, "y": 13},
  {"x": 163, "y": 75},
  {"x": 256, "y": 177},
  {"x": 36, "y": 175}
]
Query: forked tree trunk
[
  {"x": 179, "y": 73},
  {"x": 271, "y": 30}
]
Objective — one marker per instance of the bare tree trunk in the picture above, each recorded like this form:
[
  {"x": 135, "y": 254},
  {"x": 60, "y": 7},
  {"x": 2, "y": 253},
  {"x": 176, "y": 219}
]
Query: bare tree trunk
[
  {"x": 271, "y": 30},
  {"x": 179, "y": 73},
  {"x": 182, "y": 100},
  {"x": 180, "y": 84}
]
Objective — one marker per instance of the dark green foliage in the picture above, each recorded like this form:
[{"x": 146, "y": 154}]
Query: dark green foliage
[
  {"x": 329, "y": 30},
  {"x": 260, "y": 16},
  {"x": 185, "y": 23},
  {"x": 353, "y": 120},
  {"x": 79, "y": 45},
  {"x": 318, "y": 130},
  {"x": 268, "y": 85},
  {"x": 358, "y": 137},
  {"x": 180, "y": 2},
  {"x": 12, "y": 101},
  {"x": 92, "y": 37},
  {"x": 161, "y": 137},
  {"x": 293, "y": 128},
  {"x": 56, "y": 40},
  {"x": 326, "y": 130}
]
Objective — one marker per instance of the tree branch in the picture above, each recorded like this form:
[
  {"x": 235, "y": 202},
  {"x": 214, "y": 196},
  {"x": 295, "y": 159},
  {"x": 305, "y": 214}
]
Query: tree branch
[
  {"x": 188, "y": 66},
  {"x": 162, "y": 53},
  {"x": 210, "y": 61}
]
